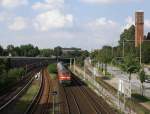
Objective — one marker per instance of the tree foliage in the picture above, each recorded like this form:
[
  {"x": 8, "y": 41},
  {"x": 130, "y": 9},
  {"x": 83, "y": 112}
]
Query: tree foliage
[
  {"x": 29, "y": 50},
  {"x": 80, "y": 59},
  {"x": 130, "y": 65},
  {"x": 7, "y": 75},
  {"x": 126, "y": 45},
  {"x": 58, "y": 51},
  {"x": 16, "y": 73},
  {"x": 1, "y": 50},
  {"x": 46, "y": 52},
  {"x": 146, "y": 52},
  {"x": 142, "y": 77}
]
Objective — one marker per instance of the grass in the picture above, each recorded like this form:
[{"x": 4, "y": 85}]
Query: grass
[
  {"x": 52, "y": 68},
  {"x": 52, "y": 71},
  {"x": 25, "y": 100},
  {"x": 53, "y": 76}
]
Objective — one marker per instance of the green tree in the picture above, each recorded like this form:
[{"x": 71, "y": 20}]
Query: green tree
[
  {"x": 105, "y": 56},
  {"x": 142, "y": 77},
  {"x": 83, "y": 55},
  {"x": 1, "y": 50},
  {"x": 128, "y": 37},
  {"x": 29, "y": 50},
  {"x": 16, "y": 73},
  {"x": 10, "y": 49},
  {"x": 17, "y": 51},
  {"x": 130, "y": 65},
  {"x": 46, "y": 52},
  {"x": 58, "y": 51},
  {"x": 2, "y": 66},
  {"x": 146, "y": 52}
]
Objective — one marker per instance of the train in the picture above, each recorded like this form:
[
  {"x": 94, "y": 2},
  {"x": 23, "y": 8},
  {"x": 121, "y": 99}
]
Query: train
[{"x": 64, "y": 74}]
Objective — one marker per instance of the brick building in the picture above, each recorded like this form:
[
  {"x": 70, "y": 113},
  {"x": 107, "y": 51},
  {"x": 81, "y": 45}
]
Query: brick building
[{"x": 139, "y": 28}]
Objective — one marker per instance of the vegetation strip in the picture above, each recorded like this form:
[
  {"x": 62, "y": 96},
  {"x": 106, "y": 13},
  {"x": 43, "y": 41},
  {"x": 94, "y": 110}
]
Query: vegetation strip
[
  {"x": 28, "y": 96},
  {"x": 16, "y": 95},
  {"x": 35, "y": 96}
]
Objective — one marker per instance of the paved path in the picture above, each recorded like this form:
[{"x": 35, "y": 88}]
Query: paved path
[{"x": 135, "y": 82}]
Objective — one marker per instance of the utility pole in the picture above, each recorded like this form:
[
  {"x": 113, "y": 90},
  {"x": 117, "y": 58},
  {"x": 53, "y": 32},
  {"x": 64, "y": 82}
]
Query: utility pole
[
  {"x": 123, "y": 48},
  {"x": 112, "y": 51},
  {"x": 140, "y": 51},
  {"x": 84, "y": 70},
  {"x": 74, "y": 64},
  {"x": 70, "y": 63},
  {"x": 26, "y": 69}
]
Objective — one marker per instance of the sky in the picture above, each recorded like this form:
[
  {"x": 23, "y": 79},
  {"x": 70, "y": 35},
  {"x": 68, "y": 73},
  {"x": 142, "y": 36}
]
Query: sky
[{"x": 88, "y": 24}]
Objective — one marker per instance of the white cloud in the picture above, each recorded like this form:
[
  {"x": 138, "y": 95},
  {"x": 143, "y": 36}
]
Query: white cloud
[
  {"x": 19, "y": 23},
  {"x": 48, "y": 5},
  {"x": 147, "y": 23},
  {"x": 129, "y": 21},
  {"x": 102, "y": 23},
  {"x": 103, "y": 30},
  {"x": 13, "y": 3},
  {"x": 52, "y": 19},
  {"x": 3, "y": 16},
  {"x": 106, "y": 1}
]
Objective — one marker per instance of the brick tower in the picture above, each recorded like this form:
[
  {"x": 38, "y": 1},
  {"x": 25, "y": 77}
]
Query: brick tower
[{"x": 139, "y": 28}]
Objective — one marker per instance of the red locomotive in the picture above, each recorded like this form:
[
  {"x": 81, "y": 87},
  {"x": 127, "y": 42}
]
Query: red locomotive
[{"x": 63, "y": 74}]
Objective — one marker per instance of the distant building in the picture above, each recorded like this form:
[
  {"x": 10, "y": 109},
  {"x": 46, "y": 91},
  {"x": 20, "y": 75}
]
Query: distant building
[
  {"x": 139, "y": 28},
  {"x": 67, "y": 50}
]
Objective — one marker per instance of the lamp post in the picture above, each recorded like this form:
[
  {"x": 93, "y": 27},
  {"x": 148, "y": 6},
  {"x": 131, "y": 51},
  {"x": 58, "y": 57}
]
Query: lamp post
[{"x": 123, "y": 49}]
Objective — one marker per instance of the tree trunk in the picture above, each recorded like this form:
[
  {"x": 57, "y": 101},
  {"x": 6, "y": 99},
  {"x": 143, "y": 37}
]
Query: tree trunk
[{"x": 130, "y": 77}]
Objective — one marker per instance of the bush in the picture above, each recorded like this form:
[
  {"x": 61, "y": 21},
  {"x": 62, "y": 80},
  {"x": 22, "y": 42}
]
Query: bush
[
  {"x": 3, "y": 78},
  {"x": 16, "y": 73},
  {"x": 11, "y": 77},
  {"x": 52, "y": 68}
]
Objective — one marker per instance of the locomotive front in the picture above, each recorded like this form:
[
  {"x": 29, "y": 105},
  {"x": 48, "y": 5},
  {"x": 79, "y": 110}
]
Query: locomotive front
[{"x": 63, "y": 74}]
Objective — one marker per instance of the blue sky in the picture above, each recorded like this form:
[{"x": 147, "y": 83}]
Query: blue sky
[{"x": 88, "y": 24}]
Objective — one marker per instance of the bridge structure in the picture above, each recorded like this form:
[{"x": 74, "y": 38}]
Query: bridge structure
[{"x": 15, "y": 62}]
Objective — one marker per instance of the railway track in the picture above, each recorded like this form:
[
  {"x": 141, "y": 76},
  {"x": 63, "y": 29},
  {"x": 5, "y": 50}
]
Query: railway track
[
  {"x": 15, "y": 92},
  {"x": 42, "y": 102},
  {"x": 79, "y": 99},
  {"x": 72, "y": 104},
  {"x": 99, "y": 104}
]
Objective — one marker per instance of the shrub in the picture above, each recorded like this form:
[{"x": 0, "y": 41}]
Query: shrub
[
  {"x": 16, "y": 73},
  {"x": 52, "y": 68}
]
